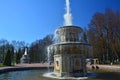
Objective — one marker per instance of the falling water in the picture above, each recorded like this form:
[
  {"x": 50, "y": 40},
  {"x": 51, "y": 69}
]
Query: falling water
[
  {"x": 48, "y": 58},
  {"x": 68, "y": 15},
  {"x": 25, "y": 51}
]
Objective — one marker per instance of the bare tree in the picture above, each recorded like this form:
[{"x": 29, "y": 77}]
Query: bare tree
[{"x": 104, "y": 35}]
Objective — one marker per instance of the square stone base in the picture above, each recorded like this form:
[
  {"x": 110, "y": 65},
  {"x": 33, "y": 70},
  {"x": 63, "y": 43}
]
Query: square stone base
[{"x": 69, "y": 65}]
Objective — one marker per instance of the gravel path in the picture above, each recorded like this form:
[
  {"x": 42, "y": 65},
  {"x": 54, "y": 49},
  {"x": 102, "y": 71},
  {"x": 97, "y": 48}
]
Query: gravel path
[
  {"x": 27, "y": 65},
  {"x": 110, "y": 68},
  {"x": 34, "y": 65}
]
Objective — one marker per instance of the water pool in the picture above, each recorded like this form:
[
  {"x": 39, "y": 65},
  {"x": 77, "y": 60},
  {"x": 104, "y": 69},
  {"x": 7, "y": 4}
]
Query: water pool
[{"x": 38, "y": 75}]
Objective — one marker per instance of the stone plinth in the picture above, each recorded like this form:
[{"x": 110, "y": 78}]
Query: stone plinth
[{"x": 69, "y": 65}]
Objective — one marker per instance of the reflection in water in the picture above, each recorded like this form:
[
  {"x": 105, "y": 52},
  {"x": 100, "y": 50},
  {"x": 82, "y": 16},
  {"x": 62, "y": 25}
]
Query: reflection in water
[
  {"x": 38, "y": 75},
  {"x": 22, "y": 75}
]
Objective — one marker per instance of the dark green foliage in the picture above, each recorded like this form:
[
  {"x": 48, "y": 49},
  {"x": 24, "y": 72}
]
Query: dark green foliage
[
  {"x": 1, "y": 65},
  {"x": 8, "y": 59},
  {"x": 18, "y": 56},
  {"x": 3, "y": 44},
  {"x": 12, "y": 55}
]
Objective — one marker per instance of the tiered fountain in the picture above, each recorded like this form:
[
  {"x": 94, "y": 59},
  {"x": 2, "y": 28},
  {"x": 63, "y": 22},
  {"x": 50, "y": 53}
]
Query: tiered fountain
[
  {"x": 69, "y": 56},
  {"x": 68, "y": 50}
]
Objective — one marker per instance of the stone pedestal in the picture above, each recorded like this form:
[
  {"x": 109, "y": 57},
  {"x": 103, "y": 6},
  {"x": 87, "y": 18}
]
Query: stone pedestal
[{"x": 69, "y": 65}]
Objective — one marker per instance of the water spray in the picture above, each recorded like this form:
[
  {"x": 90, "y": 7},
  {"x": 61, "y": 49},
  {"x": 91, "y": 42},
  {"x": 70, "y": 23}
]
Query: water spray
[{"x": 67, "y": 15}]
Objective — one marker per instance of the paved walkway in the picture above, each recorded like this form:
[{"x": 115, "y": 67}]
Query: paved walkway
[
  {"x": 34, "y": 65},
  {"x": 110, "y": 68},
  {"x": 27, "y": 65}
]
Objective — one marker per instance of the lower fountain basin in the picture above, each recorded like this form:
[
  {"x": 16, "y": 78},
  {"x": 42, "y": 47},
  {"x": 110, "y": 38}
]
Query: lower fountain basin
[{"x": 43, "y": 74}]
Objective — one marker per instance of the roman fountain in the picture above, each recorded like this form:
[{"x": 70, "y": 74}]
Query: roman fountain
[{"x": 68, "y": 49}]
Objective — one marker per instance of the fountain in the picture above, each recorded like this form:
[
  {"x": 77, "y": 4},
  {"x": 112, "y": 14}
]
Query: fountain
[
  {"x": 25, "y": 58},
  {"x": 69, "y": 58},
  {"x": 68, "y": 50}
]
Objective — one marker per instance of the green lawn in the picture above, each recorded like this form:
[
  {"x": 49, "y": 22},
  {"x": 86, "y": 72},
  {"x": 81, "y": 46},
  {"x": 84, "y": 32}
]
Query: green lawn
[{"x": 1, "y": 65}]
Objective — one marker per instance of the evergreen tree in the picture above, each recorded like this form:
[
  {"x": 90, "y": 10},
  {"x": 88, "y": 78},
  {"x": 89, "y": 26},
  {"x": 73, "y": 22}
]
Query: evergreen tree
[
  {"x": 18, "y": 56},
  {"x": 7, "y": 60},
  {"x": 12, "y": 55}
]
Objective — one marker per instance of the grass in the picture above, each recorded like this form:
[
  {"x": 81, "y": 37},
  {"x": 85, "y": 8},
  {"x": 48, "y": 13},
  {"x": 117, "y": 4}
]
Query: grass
[
  {"x": 117, "y": 63},
  {"x": 1, "y": 65}
]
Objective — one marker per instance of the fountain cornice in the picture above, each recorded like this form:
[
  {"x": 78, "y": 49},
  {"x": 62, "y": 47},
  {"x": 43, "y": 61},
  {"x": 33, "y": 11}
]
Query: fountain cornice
[
  {"x": 72, "y": 43},
  {"x": 68, "y": 27}
]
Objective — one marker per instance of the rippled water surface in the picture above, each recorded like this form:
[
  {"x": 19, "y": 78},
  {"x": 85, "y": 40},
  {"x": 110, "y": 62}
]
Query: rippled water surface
[
  {"x": 23, "y": 75},
  {"x": 38, "y": 75}
]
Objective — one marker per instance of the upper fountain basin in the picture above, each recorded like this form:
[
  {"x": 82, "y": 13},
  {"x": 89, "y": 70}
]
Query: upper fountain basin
[{"x": 68, "y": 34}]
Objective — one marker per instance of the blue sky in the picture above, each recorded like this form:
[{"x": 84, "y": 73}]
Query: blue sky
[{"x": 29, "y": 20}]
